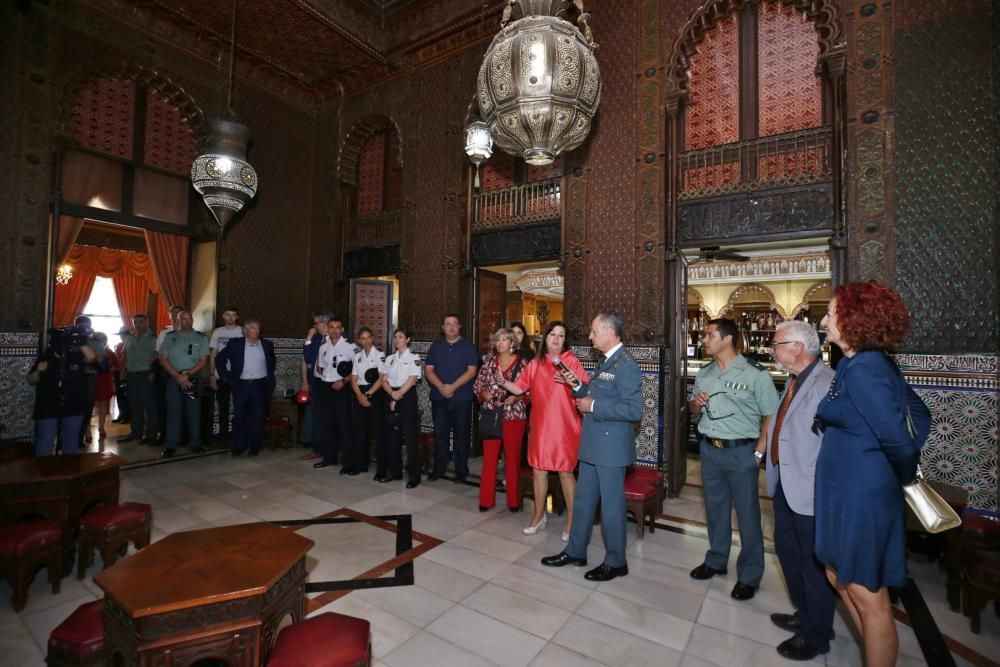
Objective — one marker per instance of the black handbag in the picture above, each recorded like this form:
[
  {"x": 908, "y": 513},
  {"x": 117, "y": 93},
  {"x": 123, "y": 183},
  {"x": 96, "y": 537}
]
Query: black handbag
[{"x": 491, "y": 423}]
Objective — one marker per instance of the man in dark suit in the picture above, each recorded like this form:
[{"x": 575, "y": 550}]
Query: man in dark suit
[
  {"x": 793, "y": 444},
  {"x": 247, "y": 365},
  {"x": 611, "y": 404}
]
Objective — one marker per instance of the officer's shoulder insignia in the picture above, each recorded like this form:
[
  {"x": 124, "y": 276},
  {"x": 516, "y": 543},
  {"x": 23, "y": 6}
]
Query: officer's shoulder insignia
[
  {"x": 416, "y": 362},
  {"x": 756, "y": 364}
]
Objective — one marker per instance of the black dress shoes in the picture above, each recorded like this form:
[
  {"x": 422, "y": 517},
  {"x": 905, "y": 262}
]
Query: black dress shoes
[
  {"x": 798, "y": 648},
  {"x": 791, "y": 623},
  {"x": 128, "y": 438},
  {"x": 323, "y": 464},
  {"x": 413, "y": 483},
  {"x": 703, "y": 571},
  {"x": 345, "y": 471},
  {"x": 167, "y": 454},
  {"x": 514, "y": 510},
  {"x": 434, "y": 476},
  {"x": 253, "y": 452},
  {"x": 235, "y": 452},
  {"x": 483, "y": 509},
  {"x": 388, "y": 478},
  {"x": 563, "y": 558},
  {"x": 605, "y": 572},
  {"x": 742, "y": 591},
  {"x": 197, "y": 450}
]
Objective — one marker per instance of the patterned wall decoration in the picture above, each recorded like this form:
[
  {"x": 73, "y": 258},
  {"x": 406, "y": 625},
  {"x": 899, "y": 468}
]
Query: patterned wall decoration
[
  {"x": 102, "y": 116},
  {"x": 17, "y": 353},
  {"x": 371, "y": 306},
  {"x": 371, "y": 175},
  {"x": 170, "y": 141},
  {"x": 534, "y": 173},
  {"x": 947, "y": 174},
  {"x": 497, "y": 173},
  {"x": 790, "y": 95},
  {"x": 800, "y": 212},
  {"x": 713, "y": 112},
  {"x": 962, "y": 393}
]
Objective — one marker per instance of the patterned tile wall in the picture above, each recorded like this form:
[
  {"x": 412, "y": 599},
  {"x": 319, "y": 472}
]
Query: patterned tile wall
[{"x": 17, "y": 353}]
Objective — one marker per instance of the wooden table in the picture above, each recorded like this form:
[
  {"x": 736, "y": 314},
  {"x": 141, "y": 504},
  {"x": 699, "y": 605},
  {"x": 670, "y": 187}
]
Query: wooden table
[
  {"x": 60, "y": 488},
  {"x": 216, "y": 593}
]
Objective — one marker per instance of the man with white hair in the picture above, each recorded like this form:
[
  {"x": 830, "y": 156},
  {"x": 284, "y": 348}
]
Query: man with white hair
[{"x": 792, "y": 445}]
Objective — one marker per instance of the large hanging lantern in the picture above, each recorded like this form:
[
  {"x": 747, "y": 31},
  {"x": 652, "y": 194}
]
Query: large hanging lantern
[
  {"x": 539, "y": 85},
  {"x": 221, "y": 174}
]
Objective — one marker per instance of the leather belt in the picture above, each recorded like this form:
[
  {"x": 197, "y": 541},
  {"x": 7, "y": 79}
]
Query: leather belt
[
  {"x": 252, "y": 380},
  {"x": 727, "y": 443},
  {"x": 396, "y": 388}
]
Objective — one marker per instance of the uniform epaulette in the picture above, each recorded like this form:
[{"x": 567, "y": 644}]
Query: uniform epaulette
[
  {"x": 756, "y": 364},
  {"x": 713, "y": 362}
]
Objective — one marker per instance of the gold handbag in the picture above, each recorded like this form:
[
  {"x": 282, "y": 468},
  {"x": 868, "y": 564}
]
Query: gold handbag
[{"x": 931, "y": 509}]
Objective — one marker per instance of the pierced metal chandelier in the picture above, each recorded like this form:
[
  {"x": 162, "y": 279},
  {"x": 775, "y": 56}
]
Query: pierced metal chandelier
[{"x": 539, "y": 85}]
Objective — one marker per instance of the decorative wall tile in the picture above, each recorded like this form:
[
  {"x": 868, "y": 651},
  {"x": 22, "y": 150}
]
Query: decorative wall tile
[{"x": 17, "y": 397}]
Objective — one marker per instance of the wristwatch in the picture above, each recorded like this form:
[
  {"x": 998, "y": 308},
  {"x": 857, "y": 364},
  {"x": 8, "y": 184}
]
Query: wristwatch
[{"x": 758, "y": 455}]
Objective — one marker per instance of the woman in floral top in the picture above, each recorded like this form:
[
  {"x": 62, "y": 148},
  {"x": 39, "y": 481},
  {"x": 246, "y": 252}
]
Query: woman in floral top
[{"x": 499, "y": 366}]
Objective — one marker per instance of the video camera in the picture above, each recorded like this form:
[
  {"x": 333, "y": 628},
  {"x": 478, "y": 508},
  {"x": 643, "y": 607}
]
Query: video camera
[{"x": 62, "y": 339}]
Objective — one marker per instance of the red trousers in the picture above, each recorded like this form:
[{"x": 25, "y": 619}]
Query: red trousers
[{"x": 513, "y": 436}]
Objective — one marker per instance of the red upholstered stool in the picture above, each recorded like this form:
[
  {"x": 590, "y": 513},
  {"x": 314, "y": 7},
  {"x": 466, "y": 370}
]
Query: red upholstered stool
[
  {"x": 110, "y": 528},
  {"x": 426, "y": 441},
  {"x": 24, "y": 547},
  {"x": 641, "y": 500},
  {"x": 327, "y": 640},
  {"x": 79, "y": 640},
  {"x": 651, "y": 476},
  {"x": 980, "y": 583}
]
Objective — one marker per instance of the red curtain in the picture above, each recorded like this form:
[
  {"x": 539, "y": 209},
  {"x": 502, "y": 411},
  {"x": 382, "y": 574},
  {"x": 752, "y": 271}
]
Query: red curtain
[
  {"x": 168, "y": 254},
  {"x": 130, "y": 291},
  {"x": 133, "y": 268}
]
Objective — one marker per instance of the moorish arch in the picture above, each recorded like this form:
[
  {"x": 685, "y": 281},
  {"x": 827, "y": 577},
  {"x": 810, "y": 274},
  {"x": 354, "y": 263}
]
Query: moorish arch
[
  {"x": 359, "y": 134},
  {"x": 823, "y": 13}
]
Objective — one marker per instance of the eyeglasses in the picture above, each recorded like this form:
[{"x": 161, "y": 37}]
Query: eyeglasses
[
  {"x": 709, "y": 412},
  {"x": 774, "y": 346}
]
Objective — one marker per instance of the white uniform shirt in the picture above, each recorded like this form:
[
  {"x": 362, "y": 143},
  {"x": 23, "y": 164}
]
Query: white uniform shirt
[
  {"x": 329, "y": 356},
  {"x": 362, "y": 362},
  {"x": 400, "y": 366}
]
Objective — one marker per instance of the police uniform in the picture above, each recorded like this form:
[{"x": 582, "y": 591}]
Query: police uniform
[
  {"x": 184, "y": 353},
  {"x": 368, "y": 367},
  {"x": 333, "y": 408},
  {"x": 742, "y": 395},
  {"x": 399, "y": 367}
]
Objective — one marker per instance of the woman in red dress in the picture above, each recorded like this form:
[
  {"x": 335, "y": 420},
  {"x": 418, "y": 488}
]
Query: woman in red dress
[{"x": 554, "y": 438}]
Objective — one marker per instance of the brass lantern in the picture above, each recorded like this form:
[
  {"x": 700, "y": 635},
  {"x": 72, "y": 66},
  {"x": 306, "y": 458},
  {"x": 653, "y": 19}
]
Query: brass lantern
[
  {"x": 221, "y": 174},
  {"x": 539, "y": 85}
]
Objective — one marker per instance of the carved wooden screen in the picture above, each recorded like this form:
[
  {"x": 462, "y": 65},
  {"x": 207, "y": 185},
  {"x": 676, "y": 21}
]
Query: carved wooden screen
[
  {"x": 371, "y": 176},
  {"x": 491, "y": 301},
  {"x": 371, "y": 306}
]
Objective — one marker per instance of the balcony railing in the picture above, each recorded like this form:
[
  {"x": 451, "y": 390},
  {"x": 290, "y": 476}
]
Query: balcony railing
[
  {"x": 373, "y": 230},
  {"x": 795, "y": 158},
  {"x": 518, "y": 205}
]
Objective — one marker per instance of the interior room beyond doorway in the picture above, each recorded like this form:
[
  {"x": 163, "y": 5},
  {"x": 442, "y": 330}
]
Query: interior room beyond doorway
[{"x": 534, "y": 295}]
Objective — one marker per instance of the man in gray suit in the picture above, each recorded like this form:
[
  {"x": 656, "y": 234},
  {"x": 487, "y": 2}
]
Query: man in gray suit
[
  {"x": 792, "y": 447},
  {"x": 611, "y": 404}
]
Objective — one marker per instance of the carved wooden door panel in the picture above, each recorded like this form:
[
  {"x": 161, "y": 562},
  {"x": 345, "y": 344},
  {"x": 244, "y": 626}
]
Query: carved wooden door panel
[
  {"x": 371, "y": 306},
  {"x": 489, "y": 306},
  {"x": 675, "y": 413}
]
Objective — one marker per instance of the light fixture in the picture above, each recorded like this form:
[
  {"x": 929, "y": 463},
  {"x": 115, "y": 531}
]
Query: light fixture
[
  {"x": 478, "y": 144},
  {"x": 64, "y": 274},
  {"x": 221, "y": 174},
  {"x": 539, "y": 85}
]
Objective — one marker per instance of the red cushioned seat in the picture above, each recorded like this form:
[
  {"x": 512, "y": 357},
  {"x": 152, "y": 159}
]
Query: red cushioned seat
[
  {"x": 981, "y": 526},
  {"x": 642, "y": 472},
  {"x": 18, "y": 538},
  {"x": 327, "y": 640},
  {"x": 641, "y": 499},
  {"x": 23, "y": 547},
  {"x": 637, "y": 488},
  {"x": 79, "y": 637},
  {"x": 114, "y": 516},
  {"x": 110, "y": 528}
]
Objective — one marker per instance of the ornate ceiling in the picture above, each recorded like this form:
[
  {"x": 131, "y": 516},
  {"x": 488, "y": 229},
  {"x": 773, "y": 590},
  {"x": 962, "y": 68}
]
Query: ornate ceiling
[{"x": 312, "y": 50}]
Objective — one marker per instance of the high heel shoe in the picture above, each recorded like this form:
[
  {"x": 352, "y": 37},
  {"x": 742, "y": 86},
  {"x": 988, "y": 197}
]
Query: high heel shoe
[
  {"x": 564, "y": 537},
  {"x": 531, "y": 530}
]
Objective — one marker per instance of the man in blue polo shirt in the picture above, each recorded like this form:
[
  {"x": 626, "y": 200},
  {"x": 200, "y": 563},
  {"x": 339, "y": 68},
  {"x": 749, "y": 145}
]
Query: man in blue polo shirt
[{"x": 451, "y": 366}]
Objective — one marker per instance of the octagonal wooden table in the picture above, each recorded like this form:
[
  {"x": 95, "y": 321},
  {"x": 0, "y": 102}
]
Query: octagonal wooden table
[{"x": 218, "y": 593}]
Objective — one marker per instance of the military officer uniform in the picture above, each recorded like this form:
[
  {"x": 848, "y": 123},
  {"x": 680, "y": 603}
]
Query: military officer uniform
[
  {"x": 334, "y": 363},
  {"x": 183, "y": 353},
  {"x": 368, "y": 421},
  {"x": 740, "y": 397}
]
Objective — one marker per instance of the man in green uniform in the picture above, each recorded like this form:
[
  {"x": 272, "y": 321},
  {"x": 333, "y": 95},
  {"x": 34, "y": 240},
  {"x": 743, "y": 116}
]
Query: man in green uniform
[
  {"x": 140, "y": 353},
  {"x": 734, "y": 398},
  {"x": 183, "y": 355}
]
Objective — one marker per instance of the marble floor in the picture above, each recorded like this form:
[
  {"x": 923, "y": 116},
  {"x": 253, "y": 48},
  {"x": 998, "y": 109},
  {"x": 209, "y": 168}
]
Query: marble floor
[{"x": 481, "y": 597}]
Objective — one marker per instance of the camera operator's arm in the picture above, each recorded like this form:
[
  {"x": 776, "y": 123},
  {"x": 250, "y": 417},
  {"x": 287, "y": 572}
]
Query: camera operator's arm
[
  {"x": 89, "y": 355},
  {"x": 35, "y": 374}
]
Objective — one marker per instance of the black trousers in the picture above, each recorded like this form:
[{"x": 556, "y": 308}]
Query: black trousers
[
  {"x": 406, "y": 427},
  {"x": 222, "y": 400},
  {"x": 332, "y": 421},
  {"x": 121, "y": 398},
  {"x": 811, "y": 593},
  {"x": 250, "y": 404},
  {"x": 368, "y": 424}
]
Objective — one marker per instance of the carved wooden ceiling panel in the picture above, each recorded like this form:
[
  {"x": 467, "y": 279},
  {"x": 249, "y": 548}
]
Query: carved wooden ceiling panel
[{"x": 311, "y": 50}]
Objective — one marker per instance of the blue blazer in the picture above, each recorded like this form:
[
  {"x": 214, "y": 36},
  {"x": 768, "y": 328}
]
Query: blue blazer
[
  {"x": 608, "y": 437},
  {"x": 229, "y": 362}
]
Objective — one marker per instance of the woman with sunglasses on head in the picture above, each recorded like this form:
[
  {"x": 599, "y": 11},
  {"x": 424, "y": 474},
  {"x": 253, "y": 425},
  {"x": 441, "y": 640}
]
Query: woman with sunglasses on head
[
  {"x": 869, "y": 452},
  {"x": 554, "y": 438}
]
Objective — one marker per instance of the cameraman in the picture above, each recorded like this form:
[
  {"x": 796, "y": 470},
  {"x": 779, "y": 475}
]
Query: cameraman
[{"x": 61, "y": 400}]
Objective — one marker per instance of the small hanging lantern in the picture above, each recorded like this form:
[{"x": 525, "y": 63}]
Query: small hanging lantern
[
  {"x": 478, "y": 145},
  {"x": 64, "y": 274}
]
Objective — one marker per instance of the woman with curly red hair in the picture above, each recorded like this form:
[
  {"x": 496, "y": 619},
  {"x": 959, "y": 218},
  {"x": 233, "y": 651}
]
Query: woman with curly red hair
[{"x": 868, "y": 453}]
